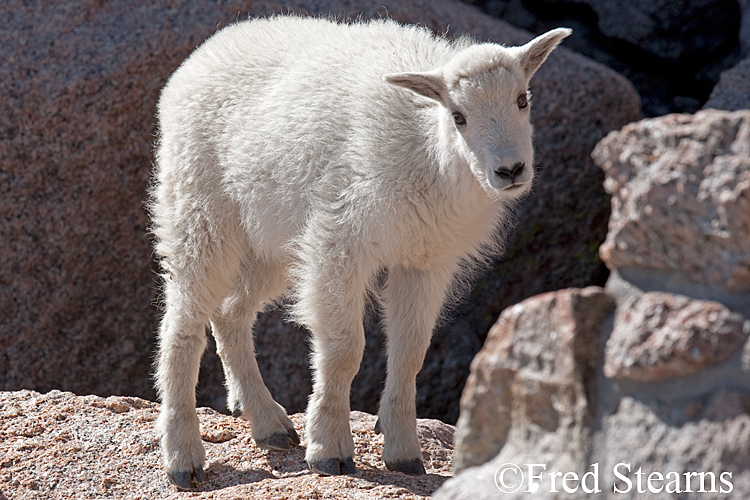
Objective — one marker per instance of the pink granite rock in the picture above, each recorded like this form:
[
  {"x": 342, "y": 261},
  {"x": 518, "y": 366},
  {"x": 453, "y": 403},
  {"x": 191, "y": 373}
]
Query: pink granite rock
[
  {"x": 61, "y": 446},
  {"x": 660, "y": 335},
  {"x": 533, "y": 376},
  {"x": 680, "y": 188}
]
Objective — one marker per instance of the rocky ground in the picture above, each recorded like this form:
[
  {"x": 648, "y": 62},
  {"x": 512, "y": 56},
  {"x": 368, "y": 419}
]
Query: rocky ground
[{"x": 59, "y": 446}]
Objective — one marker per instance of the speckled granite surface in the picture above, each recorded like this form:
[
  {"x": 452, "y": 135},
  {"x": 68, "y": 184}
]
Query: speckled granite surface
[{"x": 59, "y": 446}]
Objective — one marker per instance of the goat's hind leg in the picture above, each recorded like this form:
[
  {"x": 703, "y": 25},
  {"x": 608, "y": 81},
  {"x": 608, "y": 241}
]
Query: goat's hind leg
[
  {"x": 182, "y": 340},
  {"x": 199, "y": 276},
  {"x": 248, "y": 396}
]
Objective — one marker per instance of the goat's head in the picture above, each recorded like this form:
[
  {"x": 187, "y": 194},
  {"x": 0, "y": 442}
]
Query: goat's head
[{"x": 485, "y": 103}]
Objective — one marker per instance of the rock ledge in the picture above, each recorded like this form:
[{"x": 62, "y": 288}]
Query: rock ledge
[{"x": 59, "y": 446}]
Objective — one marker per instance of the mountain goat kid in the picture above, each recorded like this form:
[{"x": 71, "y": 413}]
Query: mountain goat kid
[{"x": 308, "y": 157}]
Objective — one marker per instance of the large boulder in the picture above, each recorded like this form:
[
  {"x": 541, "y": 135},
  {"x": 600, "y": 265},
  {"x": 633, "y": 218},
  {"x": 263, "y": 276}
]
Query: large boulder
[
  {"x": 59, "y": 445},
  {"x": 540, "y": 413},
  {"x": 533, "y": 378},
  {"x": 78, "y": 89},
  {"x": 532, "y": 398},
  {"x": 677, "y": 356}
]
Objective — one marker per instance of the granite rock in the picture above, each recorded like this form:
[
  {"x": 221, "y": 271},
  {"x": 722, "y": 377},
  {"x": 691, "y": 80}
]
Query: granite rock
[
  {"x": 707, "y": 434},
  {"x": 678, "y": 30},
  {"x": 659, "y": 335},
  {"x": 62, "y": 446},
  {"x": 78, "y": 89},
  {"x": 732, "y": 93},
  {"x": 680, "y": 188},
  {"x": 532, "y": 379}
]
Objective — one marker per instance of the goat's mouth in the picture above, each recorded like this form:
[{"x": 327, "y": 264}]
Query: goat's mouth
[
  {"x": 509, "y": 187},
  {"x": 514, "y": 186}
]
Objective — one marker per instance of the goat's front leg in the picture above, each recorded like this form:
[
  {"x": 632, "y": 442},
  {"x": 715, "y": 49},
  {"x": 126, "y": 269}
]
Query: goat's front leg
[
  {"x": 412, "y": 301},
  {"x": 331, "y": 304}
]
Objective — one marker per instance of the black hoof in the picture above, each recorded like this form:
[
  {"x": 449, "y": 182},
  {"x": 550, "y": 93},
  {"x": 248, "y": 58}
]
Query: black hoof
[
  {"x": 199, "y": 476},
  {"x": 237, "y": 412},
  {"x": 279, "y": 440},
  {"x": 412, "y": 467},
  {"x": 293, "y": 436},
  {"x": 184, "y": 479},
  {"x": 333, "y": 466},
  {"x": 378, "y": 430},
  {"x": 348, "y": 467}
]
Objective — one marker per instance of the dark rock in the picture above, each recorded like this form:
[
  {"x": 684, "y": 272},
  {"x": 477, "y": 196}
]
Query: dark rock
[
  {"x": 670, "y": 29},
  {"x": 732, "y": 93},
  {"x": 672, "y": 52},
  {"x": 745, "y": 27}
]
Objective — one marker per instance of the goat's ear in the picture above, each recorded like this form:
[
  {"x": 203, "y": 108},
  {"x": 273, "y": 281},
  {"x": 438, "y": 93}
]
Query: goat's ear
[
  {"x": 534, "y": 53},
  {"x": 430, "y": 84}
]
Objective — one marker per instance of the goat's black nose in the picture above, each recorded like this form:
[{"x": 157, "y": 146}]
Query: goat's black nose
[{"x": 510, "y": 173}]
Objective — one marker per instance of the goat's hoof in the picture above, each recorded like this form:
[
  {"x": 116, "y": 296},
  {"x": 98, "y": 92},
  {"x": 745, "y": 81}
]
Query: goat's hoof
[
  {"x": 184, "y": 479},
  {"x": 412, "y": 467},
  {"x": 279, "y": 440},
  {"x": 237, "y": 412},
  {"x": 293, "y": 436},
  {"x": 378, "y": 430},
  {"x": 199, "y": 476},
  {"x": 332, "y": 466}
]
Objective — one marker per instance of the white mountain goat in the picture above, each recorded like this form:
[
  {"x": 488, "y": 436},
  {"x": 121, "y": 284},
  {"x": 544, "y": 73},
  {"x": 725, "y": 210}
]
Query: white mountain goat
[{"x": 307, "y": 157}]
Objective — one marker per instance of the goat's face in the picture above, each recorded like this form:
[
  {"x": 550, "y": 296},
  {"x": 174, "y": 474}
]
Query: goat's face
[
  {"x": 484, "y": 102},
  {"x": 490, "y": 114}
]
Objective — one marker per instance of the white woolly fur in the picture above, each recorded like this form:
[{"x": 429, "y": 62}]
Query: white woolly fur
[{"x": 305, "y": 157}]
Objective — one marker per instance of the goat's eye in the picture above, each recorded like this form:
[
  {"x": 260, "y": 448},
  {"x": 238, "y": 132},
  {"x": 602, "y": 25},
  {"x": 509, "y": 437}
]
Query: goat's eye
[
  {"x": 459, "y": 119},
  {"x": 523, "y": 101}
]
